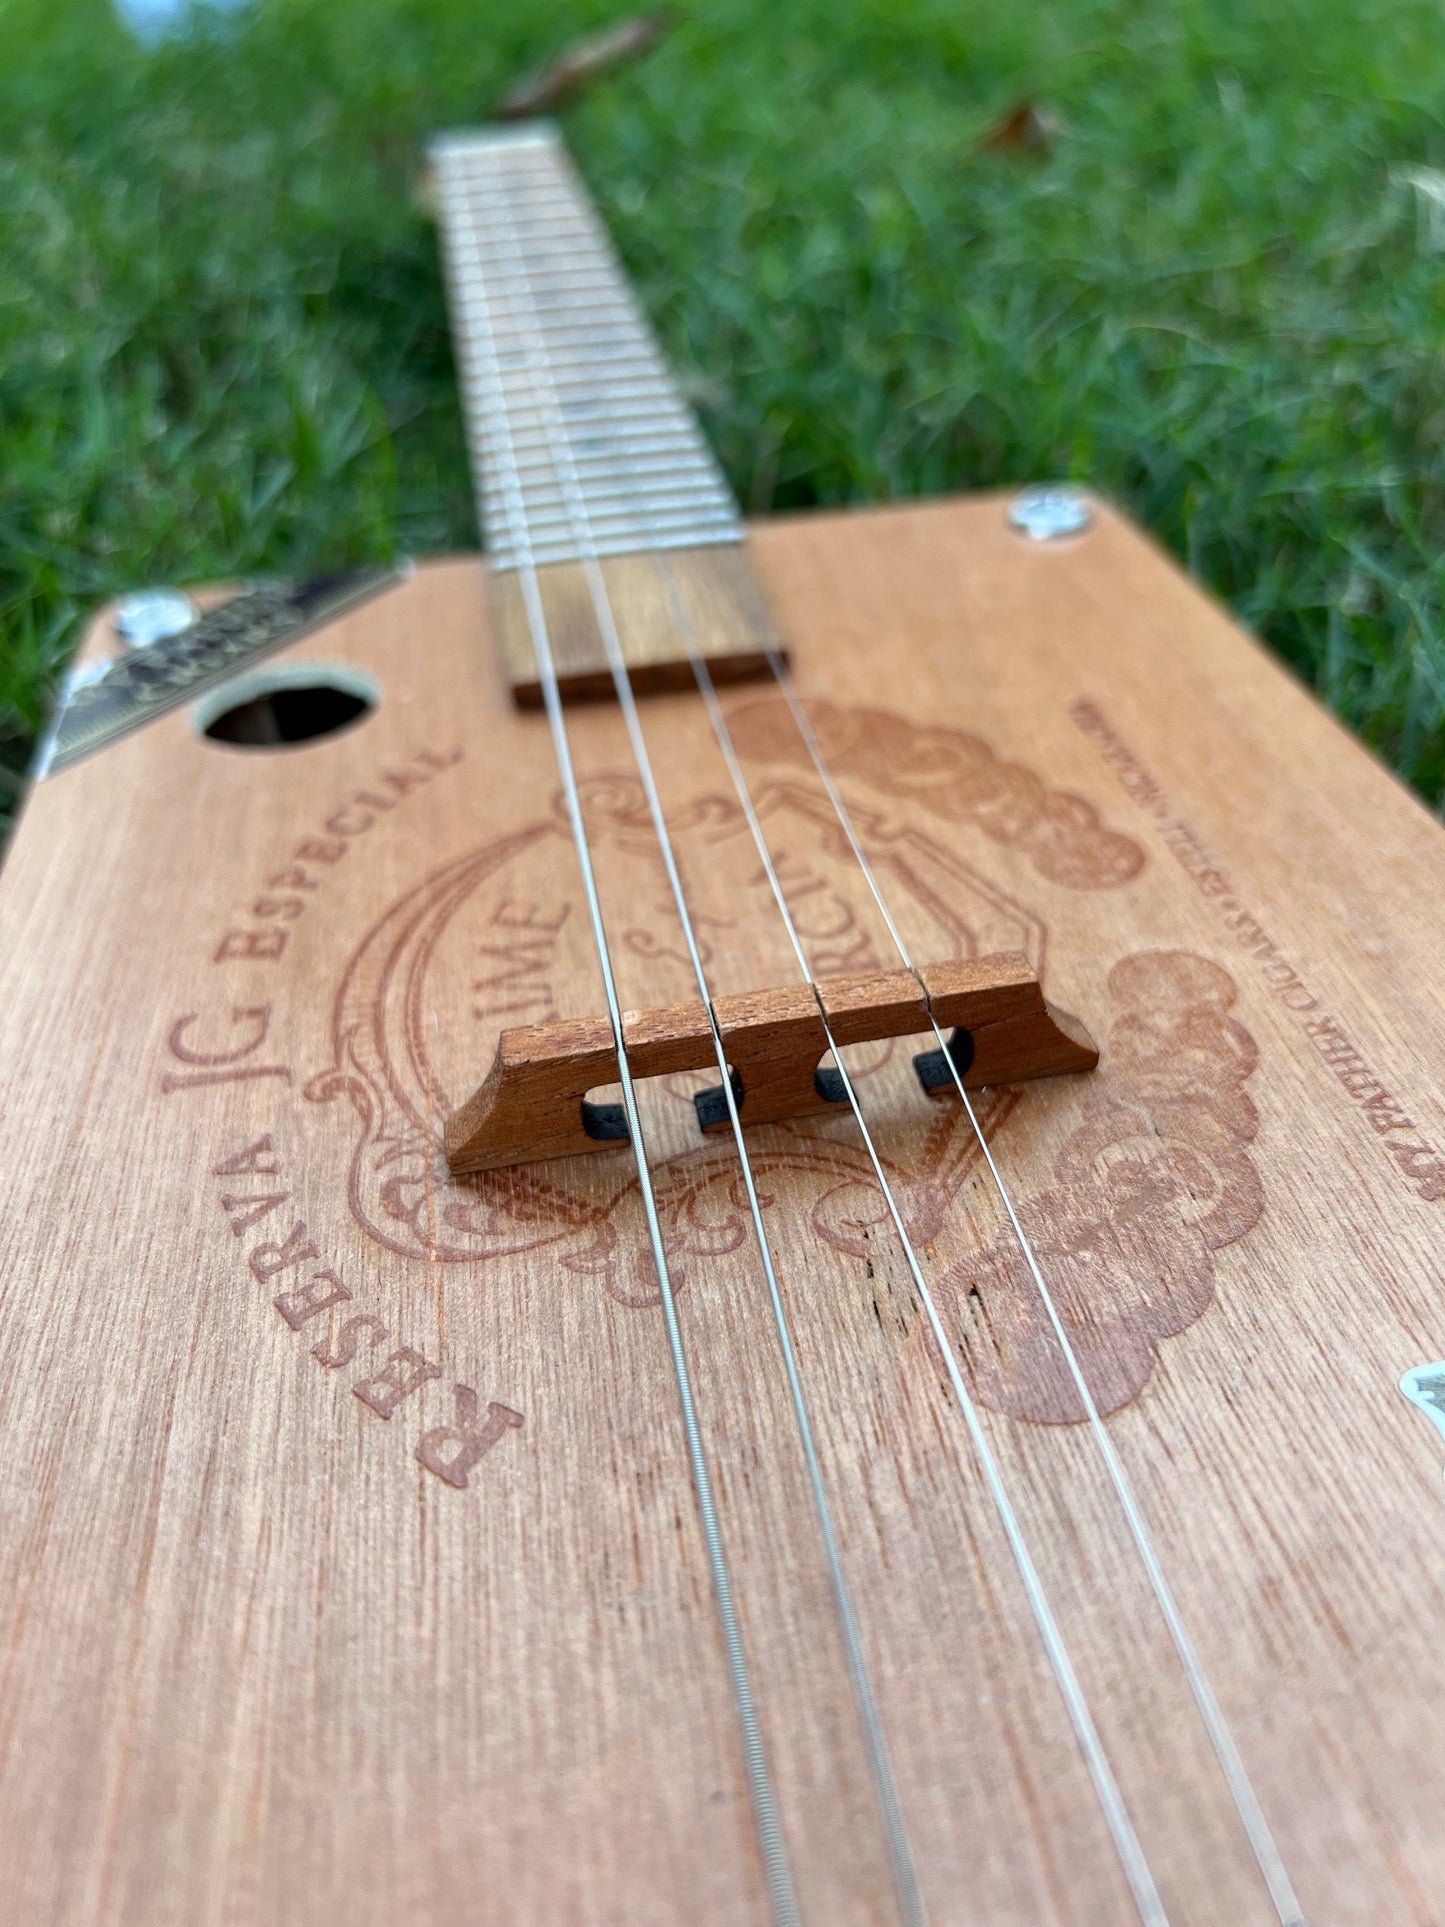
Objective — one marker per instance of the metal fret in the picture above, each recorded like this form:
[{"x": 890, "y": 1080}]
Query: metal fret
[
  {"x": 544, "y": 551},
  {"x": 640, "y": 475}
]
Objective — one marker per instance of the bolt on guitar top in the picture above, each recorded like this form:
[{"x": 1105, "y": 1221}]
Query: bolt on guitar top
[{"x": 587, "y": 1339}]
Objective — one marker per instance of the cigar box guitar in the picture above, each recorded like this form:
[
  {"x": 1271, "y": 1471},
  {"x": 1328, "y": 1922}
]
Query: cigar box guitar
[{"x": 714, "y": 1223}]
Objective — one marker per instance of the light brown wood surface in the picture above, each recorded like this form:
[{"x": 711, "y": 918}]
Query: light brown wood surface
[
  {"x": 667, "y": 607},
  {"x": 350, "y": 1568}
]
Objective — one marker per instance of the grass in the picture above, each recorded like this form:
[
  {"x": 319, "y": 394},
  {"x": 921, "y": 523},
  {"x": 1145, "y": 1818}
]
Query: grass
[{"x": 1216, "y": 297}]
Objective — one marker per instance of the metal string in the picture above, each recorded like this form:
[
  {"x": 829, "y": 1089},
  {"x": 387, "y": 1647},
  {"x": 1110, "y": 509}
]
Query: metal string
[
  {"x": 1121, "y": 1827},
  {"x": 1131, "y": 1855},
  {"x": 1135, "y": 1867},
  {"x": 1128, "y": 1847},
  {"x": 469, "y": 288},
  {"x": 900, "y": 1854},
  {"x": 1241, "y": 1789}
]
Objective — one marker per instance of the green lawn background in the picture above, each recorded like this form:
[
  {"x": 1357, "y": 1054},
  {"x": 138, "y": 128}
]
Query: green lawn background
[{"x": 1218, "y": 297}]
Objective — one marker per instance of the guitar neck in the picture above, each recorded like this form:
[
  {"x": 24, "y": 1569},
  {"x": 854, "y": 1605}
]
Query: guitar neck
[{"x": 593, "y": 477}]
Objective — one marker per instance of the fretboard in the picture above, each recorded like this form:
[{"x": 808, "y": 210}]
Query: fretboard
[
  {"x": 592, "y": 475},
  {"x": 580, "y": 441}
]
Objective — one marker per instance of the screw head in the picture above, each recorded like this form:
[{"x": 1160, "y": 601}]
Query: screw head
[
  {"x": 1049, "y": 511},
  {"x": 153, "y": 615}
]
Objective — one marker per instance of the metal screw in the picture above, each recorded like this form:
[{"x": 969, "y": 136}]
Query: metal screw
[
  {"x": 153, "y": 615},
  {"x": 1049, "y": 511}
]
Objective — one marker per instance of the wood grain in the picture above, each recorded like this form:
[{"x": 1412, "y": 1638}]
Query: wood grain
[
  {"x": 666, "y": 604},
  {"x": 532, "y": 1103},
  {"x": 350, "y": 1566}
]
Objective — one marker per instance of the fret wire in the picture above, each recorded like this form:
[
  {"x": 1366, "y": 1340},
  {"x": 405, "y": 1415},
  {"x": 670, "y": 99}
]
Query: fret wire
[
  {"x": 560, "y": 545},
  {"x": 606, "y": 365},
  {"x": 606, "y": 462},
  {"x": 573, "y": 296},
  {"x": 774, "y": 1850},
  {"x": 609, "y": 346},
  {"x": 567, "y": 552},
  {"x": 627, "y": 413},
  {"x": 512, "y": 397},
  {"x": 621, "y": 364},
  {"x": 608, "y": 524},
  {"x": 693, "y": 479},
  {"x": 662, "y": 491},
  {"x": 572, "y": 282},
  {"x": 549, "y": 234},
  {"x": 511, "y": 519},
  {"x": 513, "y": 393},
  {"x": 900, "y": 1854},
  {"x": 555, "y": 244},
  {"x": 634, "y": 380},
  {"x": 612, "y": 527},
  {"x": 545, "y": 214},
  {"x": 558, "y": 530},
  {"x": 648, "y": 394},
  {"x": 542, "y": 494},
  {"x": 599, "y": 316},
  {"x": 630, "y": 387},
  {"x": 544, "y": 513},
  {"x": 589, "y": 442},
  {"x": 697, "y": 490},
  {"x": 692, "y": 502},
  {"x": 646, "y": 424},
  {"x": 636, "y": 448},
  {"x": 546, "y": 521},
  {"x": 606, "y": 343},
  {"x": 601, "y": 320}
]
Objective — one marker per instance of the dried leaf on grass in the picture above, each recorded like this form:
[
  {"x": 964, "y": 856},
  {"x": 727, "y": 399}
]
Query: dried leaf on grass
[
  {"x": 1028, "y": 127},
  {"x": 561, "y": 80}
]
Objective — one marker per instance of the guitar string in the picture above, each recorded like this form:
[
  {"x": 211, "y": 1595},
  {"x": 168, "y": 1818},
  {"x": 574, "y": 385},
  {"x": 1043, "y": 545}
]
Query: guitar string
[
  {"x": 470, "y": 289},
  {"x": 1126, "y": 1842},
  {"x": 1241, "y": 1788},
  {"x": 1131, "y": 1854},
  {"x": 905, "y": 1879}
]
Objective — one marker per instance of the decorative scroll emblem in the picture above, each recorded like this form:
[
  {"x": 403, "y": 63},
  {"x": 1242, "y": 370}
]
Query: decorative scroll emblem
[
  {"x": 480, "y": 921},
  {"x": 952, "y": 775},
  {"x": 145, "y": 683},
  {"x": 1152, "y": 1181}
]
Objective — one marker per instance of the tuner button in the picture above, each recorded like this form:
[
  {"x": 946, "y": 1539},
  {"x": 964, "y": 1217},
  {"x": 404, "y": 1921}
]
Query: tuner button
[{"x": 1049, "y": 511}]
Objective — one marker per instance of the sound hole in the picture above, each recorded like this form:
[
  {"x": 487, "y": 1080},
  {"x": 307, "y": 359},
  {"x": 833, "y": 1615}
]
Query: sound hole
[{"x": 283, "y": 707}]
